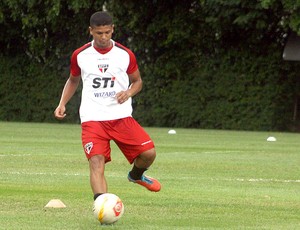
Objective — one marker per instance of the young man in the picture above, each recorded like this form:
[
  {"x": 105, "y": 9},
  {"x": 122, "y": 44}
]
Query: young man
[{"x": 110, "y": 78}]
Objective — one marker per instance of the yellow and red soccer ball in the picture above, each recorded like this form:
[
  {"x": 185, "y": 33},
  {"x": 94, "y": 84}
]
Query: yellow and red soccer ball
[{"x": 108, "y": 208}]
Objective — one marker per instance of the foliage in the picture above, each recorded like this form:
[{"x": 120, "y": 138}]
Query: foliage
[
  {"x": 46, "y": 29},
  {"x": 28, "y": 93},
  {"x": 205, "y": 64},
  {"x": 216, "y": 64}
]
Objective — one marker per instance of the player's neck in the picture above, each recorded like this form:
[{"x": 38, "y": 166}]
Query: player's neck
[{"x": 104, "y": 50}]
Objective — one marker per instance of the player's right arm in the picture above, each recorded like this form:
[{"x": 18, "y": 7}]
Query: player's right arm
[{"x": 67, "y": 93}]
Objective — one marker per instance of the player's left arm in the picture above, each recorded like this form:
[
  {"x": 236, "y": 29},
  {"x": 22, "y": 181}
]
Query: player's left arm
[{"x": 134, "y": 88}]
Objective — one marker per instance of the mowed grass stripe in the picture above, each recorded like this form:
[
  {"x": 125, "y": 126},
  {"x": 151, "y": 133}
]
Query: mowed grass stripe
[{"x": 211, "y": 179}]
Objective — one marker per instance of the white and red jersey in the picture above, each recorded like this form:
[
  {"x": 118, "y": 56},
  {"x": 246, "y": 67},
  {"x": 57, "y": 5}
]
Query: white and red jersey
[{"x": 104, "y": 73}]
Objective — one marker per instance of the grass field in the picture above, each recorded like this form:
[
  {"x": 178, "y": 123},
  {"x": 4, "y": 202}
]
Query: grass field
[{"x": 211, "y": 180}]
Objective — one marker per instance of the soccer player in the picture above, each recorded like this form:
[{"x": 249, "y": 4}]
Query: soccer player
[{"x": 110, "y": 78}]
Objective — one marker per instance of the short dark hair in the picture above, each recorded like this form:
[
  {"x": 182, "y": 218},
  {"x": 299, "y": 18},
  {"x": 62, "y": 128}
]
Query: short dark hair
[{"x": 101, "y": 18}]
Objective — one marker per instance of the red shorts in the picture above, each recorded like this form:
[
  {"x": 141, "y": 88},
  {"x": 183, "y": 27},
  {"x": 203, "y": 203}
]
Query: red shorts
[{"x": 130, "y": 137}]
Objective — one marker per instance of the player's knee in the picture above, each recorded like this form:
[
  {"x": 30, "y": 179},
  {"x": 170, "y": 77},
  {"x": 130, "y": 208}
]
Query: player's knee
[
  {"x": 148, "y": 156},
  {"x": 97, "y": 163},
  {"x": 152, "y": 154}
]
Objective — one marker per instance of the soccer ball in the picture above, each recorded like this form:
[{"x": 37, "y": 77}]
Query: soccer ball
[{"x": 108, "y": 208}]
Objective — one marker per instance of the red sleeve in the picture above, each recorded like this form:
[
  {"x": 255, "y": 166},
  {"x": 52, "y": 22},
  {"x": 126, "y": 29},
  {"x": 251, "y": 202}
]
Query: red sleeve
[
  {"x": 75, "y": 69},
  {"x": 133, "y": 66}
]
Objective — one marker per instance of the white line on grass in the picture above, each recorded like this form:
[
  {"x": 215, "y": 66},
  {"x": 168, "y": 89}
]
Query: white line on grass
[
  {"x": 53, "y": 174},
  {"x": 217, "y": 179},
  {"x": 261, "y": 180},
  {"x": 14, "y": 155},
  {"x": 44, "y": 173}
]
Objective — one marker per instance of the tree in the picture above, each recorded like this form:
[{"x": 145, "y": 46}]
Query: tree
[
  {"x": 205, "y": 64},
  {"x": 211, "y": 44}
]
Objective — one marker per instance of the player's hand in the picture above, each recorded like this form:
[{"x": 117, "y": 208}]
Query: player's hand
[
  {"x": 122, "y": 96},
  {"x": 59, "y": 112}
]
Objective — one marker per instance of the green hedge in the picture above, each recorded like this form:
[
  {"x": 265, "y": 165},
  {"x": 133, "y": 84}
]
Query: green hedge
[
  {"x": 253, "y": 93},
  {"x": 30, "y": 91},
  {"x": 243, "y": 94},
  {"x": 217, "y": 64}
]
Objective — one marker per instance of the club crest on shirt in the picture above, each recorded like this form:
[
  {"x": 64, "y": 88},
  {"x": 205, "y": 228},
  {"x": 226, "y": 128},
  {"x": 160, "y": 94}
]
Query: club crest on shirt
[
  {"x": 103, "y": 67},
  {"x": 88, "y": 147}
]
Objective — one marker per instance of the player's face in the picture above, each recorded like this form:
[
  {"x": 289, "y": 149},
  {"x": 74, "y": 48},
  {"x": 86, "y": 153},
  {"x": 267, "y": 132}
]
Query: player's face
[{"x": 102, "y": 35}]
